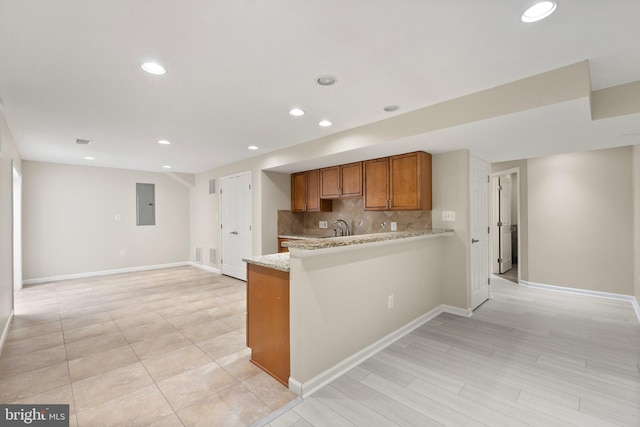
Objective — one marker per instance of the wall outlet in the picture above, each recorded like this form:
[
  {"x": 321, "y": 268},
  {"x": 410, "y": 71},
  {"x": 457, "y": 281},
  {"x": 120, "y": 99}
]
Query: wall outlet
[
  {"x": 123, "y": 252},
  {"x": 323, "y": 224},
  {"x": 394, "y": 226},
  {"x": 390, "y": 302},
  {"x": 448, "y": 216}
]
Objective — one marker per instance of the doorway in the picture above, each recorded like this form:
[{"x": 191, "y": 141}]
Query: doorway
[
  {"x": 17, "y": 229},
  {"x": 236, "y": 215},
  {"x": 505, "y": 219}
]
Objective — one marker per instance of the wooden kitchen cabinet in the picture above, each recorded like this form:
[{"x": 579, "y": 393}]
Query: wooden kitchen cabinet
[
  {"x": 410, "y": 181},
  {"x": 281, "y": 248},
  {"x": 376, "y": 184},
  {"x": 268, "y": 334},
  {"x": 305, "y": 193},
  {"x": 401, "y": 182},
  {"x": 341, "y": 181}
]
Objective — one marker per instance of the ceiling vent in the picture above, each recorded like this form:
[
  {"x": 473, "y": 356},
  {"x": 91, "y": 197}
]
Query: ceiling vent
[{"x": 83, "y": 141}]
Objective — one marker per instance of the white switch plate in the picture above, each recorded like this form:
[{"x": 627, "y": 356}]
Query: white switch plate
[
  {"x": 123, "y": 252},
  {"x": 390, "y": 302},
  {"x": 448, "y": 216},
  {"x": 118, "y": 217},
  {"x": 323, "y": 224},
  {"x": 394, "y": 226}
]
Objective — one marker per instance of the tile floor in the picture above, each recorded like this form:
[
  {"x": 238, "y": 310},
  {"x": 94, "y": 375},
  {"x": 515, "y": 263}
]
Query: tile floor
[
  {"x": 528, "y": 357},
  {"x": 160, "y": 348}
]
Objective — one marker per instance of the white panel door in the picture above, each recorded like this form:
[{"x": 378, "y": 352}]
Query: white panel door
[
  {"x": 235, "y": 224},
  {"x": 479, "y": 219},
  {"x": 504, "y": 223}
]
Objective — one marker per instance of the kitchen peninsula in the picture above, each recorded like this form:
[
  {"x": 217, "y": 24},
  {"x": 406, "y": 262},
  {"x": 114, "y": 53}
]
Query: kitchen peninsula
[{"x": 328, "y": 303}]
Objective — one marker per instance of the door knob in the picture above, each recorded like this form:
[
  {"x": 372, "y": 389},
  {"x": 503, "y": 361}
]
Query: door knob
[
  {"x": 474, "y": 240},
  {"x": 234, "y": 232}
]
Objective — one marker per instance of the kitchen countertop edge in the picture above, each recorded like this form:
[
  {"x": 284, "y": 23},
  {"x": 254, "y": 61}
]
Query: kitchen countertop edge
[
  {"x": 334, "y": 242},
  {"x": 280, "y": 261}
]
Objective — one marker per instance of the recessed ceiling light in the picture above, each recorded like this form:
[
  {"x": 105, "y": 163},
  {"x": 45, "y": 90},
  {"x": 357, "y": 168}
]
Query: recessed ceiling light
[
  {"x": 166, "y": 167},
  {"x": 390, "y": 108},
  {"x": 153, "y": 68},
  {"x": 538, "y": 11},
  {"x": 296, "y": 112},
  {"x": 89, "y": 158},
  {"x": 326, "y": 80},
  {"x": 252, "y": 147},
  {"x": 164, "y": 142},
  {"x": 325, "y": 123}
]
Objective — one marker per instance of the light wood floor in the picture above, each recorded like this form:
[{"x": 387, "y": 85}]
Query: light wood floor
[
  {"x": 527, "y": 357},
  {"x": 162, "y": 348}
]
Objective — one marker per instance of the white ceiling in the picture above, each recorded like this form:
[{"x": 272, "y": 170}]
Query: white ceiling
[{"x": 71, "y": 69}]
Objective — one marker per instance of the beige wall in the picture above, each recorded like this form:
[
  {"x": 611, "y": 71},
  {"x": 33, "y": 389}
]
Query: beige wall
[
  {"x": 70, "y": 227},
  {"x": 451, "y": 193},
  {"x": 9, "y": 156},
  {"x": 581, "y": 220},
  {"x": 338, "y": 299},
  {"x": 277, "y": 187}
]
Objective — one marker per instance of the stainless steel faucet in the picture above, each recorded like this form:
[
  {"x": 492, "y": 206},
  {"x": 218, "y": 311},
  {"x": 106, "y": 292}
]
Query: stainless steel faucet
[{"x": 340, "y": 223}]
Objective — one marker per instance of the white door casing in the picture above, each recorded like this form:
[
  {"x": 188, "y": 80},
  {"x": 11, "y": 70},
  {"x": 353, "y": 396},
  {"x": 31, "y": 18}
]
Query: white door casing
[
  {"x": 479, "y": 231},
  {"x": 235, "y": 224},
  {"x": 504, "y": 223},
  {"x": 17, "y": 229}
]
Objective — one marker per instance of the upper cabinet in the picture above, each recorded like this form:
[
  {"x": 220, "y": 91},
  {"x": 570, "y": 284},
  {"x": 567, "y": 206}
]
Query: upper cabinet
[
  {"x": 397, "y": 183},
  {"x": 400, "y": 182},
  {"x": 305, "y": 193},
  {"x": 376, "y": 184},
  {"x": 341, "y": 181}
]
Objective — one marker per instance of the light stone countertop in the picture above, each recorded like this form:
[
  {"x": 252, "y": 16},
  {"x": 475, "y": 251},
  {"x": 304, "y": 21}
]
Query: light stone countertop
[
  {"x": 280, "y": 261},
  {"x": 276, "y": 261},
  {"x": 334, "y": 242}
]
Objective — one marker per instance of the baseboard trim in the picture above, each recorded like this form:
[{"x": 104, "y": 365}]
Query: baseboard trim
[
  {"x": 464, "y": 312},
  {"x": 104, "y": 273},
  {"x": 205, "y": 267},
  {"x": 5, "y": 331},
  {"x": 307, "y": 388},
  {"x": 599, "y": 294}
]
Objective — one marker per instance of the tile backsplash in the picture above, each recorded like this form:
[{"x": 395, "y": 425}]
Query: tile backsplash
[{"x": 359, "y": 220}]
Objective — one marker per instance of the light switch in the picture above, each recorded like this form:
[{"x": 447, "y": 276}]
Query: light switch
[
  {"x": 118, "y": 217},
  {"x": 323, "y": 224},
  {"x": 448, "y": 216},
  {"x": 394, "y": 226}
]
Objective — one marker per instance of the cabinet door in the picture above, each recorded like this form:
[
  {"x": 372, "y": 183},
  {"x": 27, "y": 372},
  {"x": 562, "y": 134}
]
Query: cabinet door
[
  {"x": 313, "y": 190},
  {"x": 313, "y": 201},
  {"x": 351, "y": 180},
  {"x": 330, "y": 183},
  {"x": 298, "y": 192},
  {"x": 376, "y": 184},
  {"x": 410, "y": 181}
]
